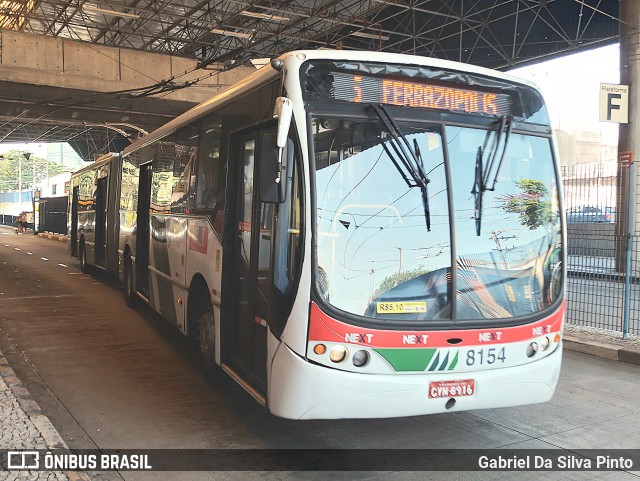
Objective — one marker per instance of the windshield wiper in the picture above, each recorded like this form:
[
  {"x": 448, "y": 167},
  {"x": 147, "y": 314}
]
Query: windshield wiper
[
  {"x": 481, "y": 179},
  {"x": 407, "y": 161}
]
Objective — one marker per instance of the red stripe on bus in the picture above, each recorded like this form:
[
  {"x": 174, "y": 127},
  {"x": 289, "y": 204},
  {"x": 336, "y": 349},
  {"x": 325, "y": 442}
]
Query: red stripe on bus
[{"x": 325, "y": 328}]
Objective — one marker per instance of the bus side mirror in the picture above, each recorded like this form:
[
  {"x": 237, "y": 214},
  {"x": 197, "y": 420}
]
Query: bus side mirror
[{"x": 272, "y": 179}]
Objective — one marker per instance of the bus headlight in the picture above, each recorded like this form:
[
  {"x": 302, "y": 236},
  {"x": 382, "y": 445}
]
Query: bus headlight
[
  {"x": 532, "y": 349},
  {"x": 338, "y": 353},
  {"x": 544, "y": 343},
  {"x": 360, "y": 358}
]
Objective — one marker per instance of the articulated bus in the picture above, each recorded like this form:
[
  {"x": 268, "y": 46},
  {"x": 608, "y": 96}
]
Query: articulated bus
[{"x": 347, "y": 235}]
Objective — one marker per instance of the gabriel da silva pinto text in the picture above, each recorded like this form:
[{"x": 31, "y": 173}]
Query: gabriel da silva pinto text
[{"x": 560, "y": 462}]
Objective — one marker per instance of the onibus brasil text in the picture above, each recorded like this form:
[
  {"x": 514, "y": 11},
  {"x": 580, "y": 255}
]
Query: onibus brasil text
[{"x": 52, "y": 460}]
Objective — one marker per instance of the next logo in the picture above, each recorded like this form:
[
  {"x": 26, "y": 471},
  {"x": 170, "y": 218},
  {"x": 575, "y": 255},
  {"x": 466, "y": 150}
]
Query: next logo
[
  {"x": 490, "y": 336},
  {"x": 539, "y": 331},
  {"x": 359, "y": 338},
  {"x": 414, "y": 339}
]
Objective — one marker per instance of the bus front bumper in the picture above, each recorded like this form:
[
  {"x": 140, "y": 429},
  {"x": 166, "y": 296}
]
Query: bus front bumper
[{"x": 299, "y": 389}]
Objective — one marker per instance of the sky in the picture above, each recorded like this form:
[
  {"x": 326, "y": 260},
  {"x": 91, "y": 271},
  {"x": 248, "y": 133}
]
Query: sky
[
  {"x": 571, "y": 86},
  {"x": 39, "y": 150}
]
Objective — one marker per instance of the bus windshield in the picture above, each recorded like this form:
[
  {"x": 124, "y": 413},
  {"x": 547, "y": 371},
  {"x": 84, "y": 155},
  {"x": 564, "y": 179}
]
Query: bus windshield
[{"x": 375, "y": 256}]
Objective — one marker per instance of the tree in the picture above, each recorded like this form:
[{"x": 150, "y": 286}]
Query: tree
[
  {"x": 530, "y": 204},
  {"x": 396, "y": 279},
  {"x": 15, "y": 160}
]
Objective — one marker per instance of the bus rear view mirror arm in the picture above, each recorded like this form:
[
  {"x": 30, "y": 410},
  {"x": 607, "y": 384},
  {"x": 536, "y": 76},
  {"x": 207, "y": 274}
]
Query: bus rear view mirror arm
[
  {"x": 283, "y": 111},
  {"x": 271, "y": 176}
]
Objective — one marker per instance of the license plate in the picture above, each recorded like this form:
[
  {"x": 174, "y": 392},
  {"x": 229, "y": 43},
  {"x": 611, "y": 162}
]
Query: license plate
[{"x": 464, "y": 387}]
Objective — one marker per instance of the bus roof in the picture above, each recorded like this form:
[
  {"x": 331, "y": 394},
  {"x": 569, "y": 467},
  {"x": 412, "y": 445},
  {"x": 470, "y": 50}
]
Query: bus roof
[
  {"x": 260, "y": 76},
  {"x": 404, "y": 59},
  {"x": 102, "y": 160},
  {"x": 292, "y": 61}
]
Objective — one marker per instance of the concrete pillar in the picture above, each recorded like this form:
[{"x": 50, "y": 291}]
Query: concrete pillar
[{"x": 629, "y": 134}]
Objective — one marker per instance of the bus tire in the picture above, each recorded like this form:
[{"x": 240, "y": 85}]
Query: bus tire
[
  {"x": 82, "y": 257},
  {"x": 130, "y": 295},
  {"x": 205, "y": 335}
]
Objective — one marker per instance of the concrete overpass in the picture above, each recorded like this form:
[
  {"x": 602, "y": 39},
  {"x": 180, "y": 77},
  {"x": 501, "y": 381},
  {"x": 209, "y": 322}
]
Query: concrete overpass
[
  {"x": 93, "y": 96},
  {"x": 82, "y": 67}
]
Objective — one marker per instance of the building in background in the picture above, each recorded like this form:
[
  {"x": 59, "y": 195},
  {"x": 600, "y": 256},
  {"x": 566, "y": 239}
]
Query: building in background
[
  {"x": 11, "y": 205},
  {"x": 62, "y": 154},
  {"x": 585, "y": 147},
  {"x": 56, "y": 186}
]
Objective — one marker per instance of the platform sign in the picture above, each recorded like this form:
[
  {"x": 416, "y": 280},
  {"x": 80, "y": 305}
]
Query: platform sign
[
  {"x": 625, "y": 158},
  {"x": 614, "y": 103}
]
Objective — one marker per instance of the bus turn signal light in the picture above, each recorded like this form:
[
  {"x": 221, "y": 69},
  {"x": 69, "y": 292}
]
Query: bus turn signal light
[{"x": 319, "y": 349}]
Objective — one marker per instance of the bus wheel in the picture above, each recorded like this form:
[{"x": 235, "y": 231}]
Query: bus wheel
[
  {"x": 129, "y": 291},
  {"x": 82, "y": 256},
  {"x": 205, "y": 338}
]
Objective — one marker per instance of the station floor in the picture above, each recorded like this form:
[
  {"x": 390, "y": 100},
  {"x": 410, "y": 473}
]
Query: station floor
[{"x": 109, "y": 377}]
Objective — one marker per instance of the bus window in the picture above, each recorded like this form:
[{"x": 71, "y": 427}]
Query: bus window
[
  {"x": 208, "y": 166},
  {"x": 173, "y": 159},
  {"x": 162, "y": 182}
]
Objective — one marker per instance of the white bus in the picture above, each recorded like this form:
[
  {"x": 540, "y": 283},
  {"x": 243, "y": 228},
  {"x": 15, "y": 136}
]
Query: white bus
[{"x": 347, "y": 235}]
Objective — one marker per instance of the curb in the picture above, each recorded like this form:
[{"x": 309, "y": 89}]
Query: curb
[
  {"x": 606, "y": 351},
  {"x": 58, "y": 237},
  {"x": 51, "y": 437}
]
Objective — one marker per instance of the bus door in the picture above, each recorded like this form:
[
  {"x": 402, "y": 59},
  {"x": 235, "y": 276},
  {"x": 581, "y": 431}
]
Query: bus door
[
  {"x": 251, "y": 269},
  {"x": 113, "y": 217},
  {"x": 74, "y": 221},
  {"x": 101, "y": 221},
  {"x": 142, "y": 227}
]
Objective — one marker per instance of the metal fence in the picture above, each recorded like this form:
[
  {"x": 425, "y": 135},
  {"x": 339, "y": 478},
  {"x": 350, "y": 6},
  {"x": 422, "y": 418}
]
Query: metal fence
[
  {"x": 8, "y": 219},
  {"x": 603, "y": 285},
  {"x": 53, "y": 215}
]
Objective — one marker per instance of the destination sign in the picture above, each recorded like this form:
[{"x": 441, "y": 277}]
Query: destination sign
[{"x": 361, "y": 89}]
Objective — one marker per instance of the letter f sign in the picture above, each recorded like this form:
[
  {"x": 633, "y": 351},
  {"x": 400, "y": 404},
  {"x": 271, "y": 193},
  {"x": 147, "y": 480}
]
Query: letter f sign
[
  {"x": 611, "y": 105},
  {"x": 614, "y": 103}
]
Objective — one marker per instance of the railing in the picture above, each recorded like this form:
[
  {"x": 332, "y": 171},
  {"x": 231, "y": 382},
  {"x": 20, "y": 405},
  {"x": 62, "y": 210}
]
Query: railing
[
  {"x": 8, "y": 219},
  {"x": 53, "y": 215},
  {"x": 603, "y": 285}
]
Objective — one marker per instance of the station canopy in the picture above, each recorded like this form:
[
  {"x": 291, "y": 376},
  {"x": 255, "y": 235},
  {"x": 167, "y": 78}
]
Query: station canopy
[
  {"x": 223, "y": 34},
  {"x": 491, "y": 33}
]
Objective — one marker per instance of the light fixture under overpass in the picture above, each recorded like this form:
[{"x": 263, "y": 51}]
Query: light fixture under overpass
[
  {"x": 264, "y": 16},
  {"x": 113, "y": 13},
  {"x": 374, "y": 36},
  {"x": 231, "y": 33}
]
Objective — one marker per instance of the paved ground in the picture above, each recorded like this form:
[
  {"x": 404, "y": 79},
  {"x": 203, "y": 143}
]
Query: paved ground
[
  {"x": 110, "y": 377},
  {"x": 23, "y": 426}
]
